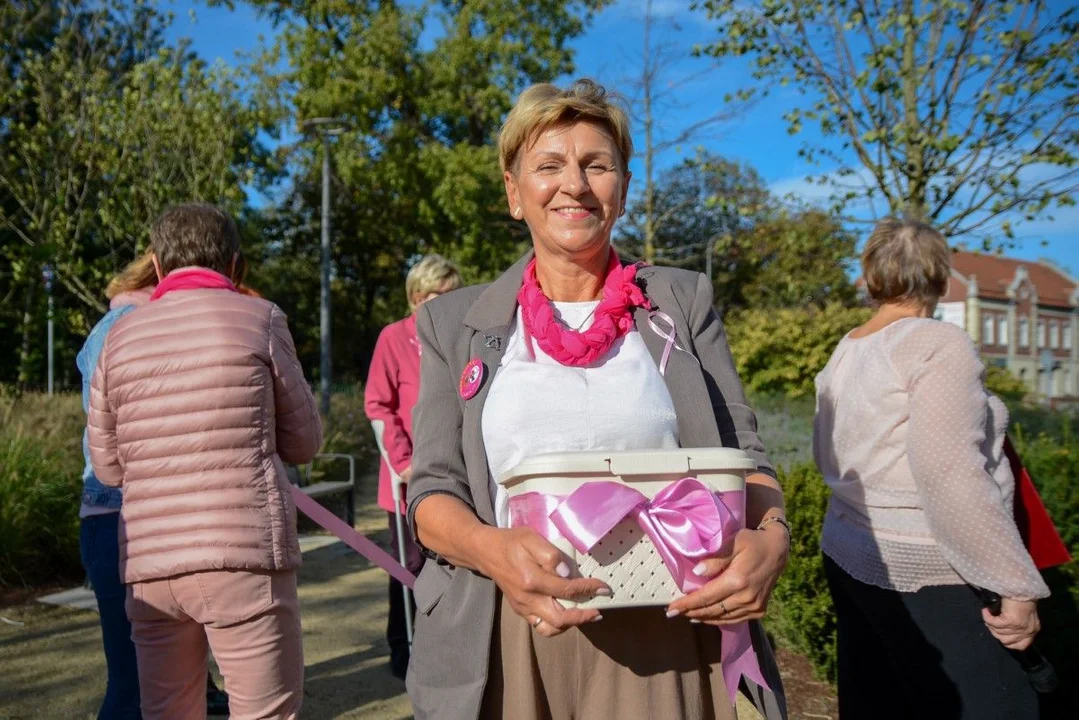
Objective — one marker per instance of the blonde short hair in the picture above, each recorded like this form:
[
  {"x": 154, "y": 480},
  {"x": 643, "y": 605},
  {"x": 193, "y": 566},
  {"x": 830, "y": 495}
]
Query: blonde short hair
[
  {"x": 544, "y": 106},
  {"x": 906, "y": 261},
  {"x": 433, "y": 273}
]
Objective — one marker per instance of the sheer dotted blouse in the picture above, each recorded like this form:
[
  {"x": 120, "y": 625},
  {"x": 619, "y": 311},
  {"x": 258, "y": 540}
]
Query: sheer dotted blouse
[{"x": 912, "y": 447}]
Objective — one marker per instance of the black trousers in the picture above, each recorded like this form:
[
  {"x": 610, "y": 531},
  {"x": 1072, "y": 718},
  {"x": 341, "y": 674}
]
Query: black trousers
[
  {"x": 924, "y": 655},
  {"x": 396, "y": 634}
]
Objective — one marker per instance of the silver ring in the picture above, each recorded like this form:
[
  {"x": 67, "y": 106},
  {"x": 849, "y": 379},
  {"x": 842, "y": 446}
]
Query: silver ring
[{"x": 539, "y": 621}]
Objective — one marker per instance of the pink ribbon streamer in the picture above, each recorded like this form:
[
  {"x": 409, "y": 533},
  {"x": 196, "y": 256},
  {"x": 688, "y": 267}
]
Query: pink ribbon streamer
[
  {"x": 686, "y": 521},
  {"x": 349, "y": 536}
]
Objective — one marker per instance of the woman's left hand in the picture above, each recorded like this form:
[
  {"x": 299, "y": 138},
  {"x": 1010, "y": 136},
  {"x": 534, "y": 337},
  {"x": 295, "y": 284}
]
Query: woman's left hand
[{"x": 741, "y": 583}]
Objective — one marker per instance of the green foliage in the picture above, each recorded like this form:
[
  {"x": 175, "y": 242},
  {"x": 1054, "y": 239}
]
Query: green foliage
[
  {"x": 781, "y": 351},
  {"x": 1004, "y": 385},
  {"x": 944, "y": 112},
  {"x": 764, "y": 254},
  {"x": 1053, "y": 462},
  {"x": 1052, "y": 457},
  {"x": 801, "y": 612},
  {"x": 416, "y": 169},
  {"x": 40, "y": 486},
  {"x": 104, "y": 127}
]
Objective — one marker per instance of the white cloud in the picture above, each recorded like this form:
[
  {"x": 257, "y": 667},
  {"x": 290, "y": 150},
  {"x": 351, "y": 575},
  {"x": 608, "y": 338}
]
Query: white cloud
[{"x": 802, "y": 188}]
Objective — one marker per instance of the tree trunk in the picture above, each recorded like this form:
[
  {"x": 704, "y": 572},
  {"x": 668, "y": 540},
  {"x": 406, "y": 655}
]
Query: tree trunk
[
  {"x": 649, "y": 147},
  {"x": 917, "y": 182},
  {"x": 26, "y": 370}
]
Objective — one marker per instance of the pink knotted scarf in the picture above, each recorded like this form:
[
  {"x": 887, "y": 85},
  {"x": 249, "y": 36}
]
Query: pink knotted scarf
[{"x": 613, "y": 316}]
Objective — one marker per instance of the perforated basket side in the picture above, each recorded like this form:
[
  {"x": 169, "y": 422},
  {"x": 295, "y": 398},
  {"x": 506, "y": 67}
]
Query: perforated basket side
[{"x": 627, "y": 561}]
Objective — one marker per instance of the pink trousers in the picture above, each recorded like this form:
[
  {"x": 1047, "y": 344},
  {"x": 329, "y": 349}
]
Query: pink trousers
[{"x": 251, "y": 622}]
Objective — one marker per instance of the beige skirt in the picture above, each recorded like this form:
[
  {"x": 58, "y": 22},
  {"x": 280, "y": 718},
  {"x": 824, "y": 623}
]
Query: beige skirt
[{"x": 635, "y": 664}]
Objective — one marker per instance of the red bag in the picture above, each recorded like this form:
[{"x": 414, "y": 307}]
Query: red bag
[{"x": 1035, "y": 526}]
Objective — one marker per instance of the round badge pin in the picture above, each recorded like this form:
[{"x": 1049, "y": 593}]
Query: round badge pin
[{"x": 471, "y": 379}]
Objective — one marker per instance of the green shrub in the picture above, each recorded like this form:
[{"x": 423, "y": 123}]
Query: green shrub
[
  {"x": 40, "y": 486},
  {"x": 801, "y": 613},
  {"x": 780, "y": 352},
  {"x": 1004, "y": 385},
  {"x": 39, "y": 514},
  {"x": 1053, "y": 462}
]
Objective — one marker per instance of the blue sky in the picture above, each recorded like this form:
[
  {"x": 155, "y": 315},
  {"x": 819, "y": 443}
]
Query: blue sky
[{"x": 610, "y": 52}]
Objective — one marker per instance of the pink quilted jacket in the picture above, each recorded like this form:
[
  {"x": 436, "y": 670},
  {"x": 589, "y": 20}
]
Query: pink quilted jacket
[{"x": 197, "y": 399}]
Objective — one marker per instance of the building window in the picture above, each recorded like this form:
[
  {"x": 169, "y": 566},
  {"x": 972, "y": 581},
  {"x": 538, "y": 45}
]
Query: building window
[
  {"x": 1054, "y": 335},
  {"x": 1068, "y": 337},
  {"x": 1002, "y": 337},
  {"x": 1041, "y": 334},
  {"x": 1024, "y": 332},
  {"x": 988, "y": 323}
]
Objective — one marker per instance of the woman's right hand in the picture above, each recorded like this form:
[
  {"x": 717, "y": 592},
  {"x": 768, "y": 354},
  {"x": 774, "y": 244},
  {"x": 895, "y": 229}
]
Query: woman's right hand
[
  {"x": 1016, "y": 625},
  {"x": 531, "y": 572}
]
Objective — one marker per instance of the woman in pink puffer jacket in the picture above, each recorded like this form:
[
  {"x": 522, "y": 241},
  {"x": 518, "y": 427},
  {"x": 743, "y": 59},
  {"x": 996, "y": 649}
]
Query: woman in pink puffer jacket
[{"x": 197, "y": 401}]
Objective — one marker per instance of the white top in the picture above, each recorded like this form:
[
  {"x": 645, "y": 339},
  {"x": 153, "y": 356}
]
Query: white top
[
  {"x": 912, "y": 447},
  {"x": 537, "y": 405}
]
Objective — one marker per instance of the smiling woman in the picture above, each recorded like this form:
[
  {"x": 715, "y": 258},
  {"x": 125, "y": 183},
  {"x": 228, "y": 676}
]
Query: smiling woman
[{"x": 556, "y": 356}]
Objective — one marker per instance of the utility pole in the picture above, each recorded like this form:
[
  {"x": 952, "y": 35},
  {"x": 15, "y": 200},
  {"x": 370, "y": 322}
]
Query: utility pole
[
  {"x": 326, "y": 128},
  {"x": 48, "y": 275}
]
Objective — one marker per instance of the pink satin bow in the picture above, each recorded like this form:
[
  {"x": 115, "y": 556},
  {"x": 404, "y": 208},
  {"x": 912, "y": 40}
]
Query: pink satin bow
[{"x": 686, "y": 521}]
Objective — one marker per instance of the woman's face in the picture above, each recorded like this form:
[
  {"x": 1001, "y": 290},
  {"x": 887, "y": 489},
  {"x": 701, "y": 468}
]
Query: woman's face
[{"x": 569, "y": 188}]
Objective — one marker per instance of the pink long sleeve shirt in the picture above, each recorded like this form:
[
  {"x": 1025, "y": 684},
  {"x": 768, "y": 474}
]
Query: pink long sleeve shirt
[{"x": 393, "y": 385}]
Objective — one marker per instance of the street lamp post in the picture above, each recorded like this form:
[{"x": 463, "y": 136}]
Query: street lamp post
[
  {"x": 326, "y": 128},
  {"x": 48, "y": 275}
]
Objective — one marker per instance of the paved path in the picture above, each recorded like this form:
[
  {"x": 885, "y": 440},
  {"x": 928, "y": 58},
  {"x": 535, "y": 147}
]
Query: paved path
[{"x": 52, "y": 666}]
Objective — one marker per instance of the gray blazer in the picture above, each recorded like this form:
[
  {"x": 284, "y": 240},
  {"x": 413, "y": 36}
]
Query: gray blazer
[{"x": 456, "y": 607}]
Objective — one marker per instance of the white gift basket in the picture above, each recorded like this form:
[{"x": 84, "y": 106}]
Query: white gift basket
[{"x": 625, "y": 557}]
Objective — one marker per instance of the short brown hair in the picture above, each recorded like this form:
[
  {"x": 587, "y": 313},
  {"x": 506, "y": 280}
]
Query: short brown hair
[
  {"x": 195, "y": 234},
  {"x": 544, "y": 106},
  {"x": 906, "y": 261}
]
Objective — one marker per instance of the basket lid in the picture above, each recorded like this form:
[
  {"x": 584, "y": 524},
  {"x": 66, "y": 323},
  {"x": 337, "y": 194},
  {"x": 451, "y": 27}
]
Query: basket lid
[{"x": 630, "y": 462}]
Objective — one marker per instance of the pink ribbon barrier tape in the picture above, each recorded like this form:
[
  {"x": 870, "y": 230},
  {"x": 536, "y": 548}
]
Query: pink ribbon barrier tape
[{"x": 349, "y": 536}]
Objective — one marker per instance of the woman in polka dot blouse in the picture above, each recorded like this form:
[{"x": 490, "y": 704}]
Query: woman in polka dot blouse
[{"x": 911, "y": 444}]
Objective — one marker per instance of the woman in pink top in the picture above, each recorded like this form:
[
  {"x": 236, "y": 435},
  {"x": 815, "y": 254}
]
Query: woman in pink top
[
  {"x": 393, "y": 385},
  {"x": 910, "y": 443}
]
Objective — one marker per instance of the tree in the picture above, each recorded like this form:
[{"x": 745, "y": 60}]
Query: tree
[
  {"x": 417, "y": 169},
  {"x": 781, "y": 351},
  {"x": 656, "y": 90},
  {"x": 694, "y": 206},
  {"x": 792, "y": 259},
  {"x": 718, "y": 217},
  {"x": 110, "y": 127},
  {"x": 960, "y": 113}
]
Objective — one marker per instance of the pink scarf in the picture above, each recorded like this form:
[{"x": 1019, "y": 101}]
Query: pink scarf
[
  {"x": 613, "y": 316},
  {"x": 196, "y": 278}
]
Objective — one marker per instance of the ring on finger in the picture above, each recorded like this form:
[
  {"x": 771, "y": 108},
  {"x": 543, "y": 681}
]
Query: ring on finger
[
  {"x": 537, "y": 622},
  {"x": 723, "y": 608}
]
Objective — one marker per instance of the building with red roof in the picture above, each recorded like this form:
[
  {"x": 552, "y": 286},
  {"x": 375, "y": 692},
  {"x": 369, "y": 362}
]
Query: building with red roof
[{"x": 1023, "y": 316}]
